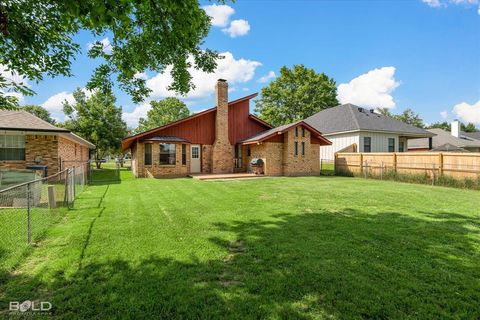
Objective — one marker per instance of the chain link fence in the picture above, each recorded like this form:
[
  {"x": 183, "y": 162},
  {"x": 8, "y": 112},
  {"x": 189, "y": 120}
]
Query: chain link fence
[{"x": 28, "y": 209}]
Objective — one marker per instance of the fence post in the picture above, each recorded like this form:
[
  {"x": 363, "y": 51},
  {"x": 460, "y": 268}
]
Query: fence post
[
  {"x": 74, "y": 187},
  {"x": 335, "y": 159},
  {"x": 65, "y": 196},
  {"x": 381, "y": 172},
  {"x": 366, "y": 169},
  {"x": 433, "y": 174},
  {"x": 394, "y": 162},
  {"x": 440, "y": 164},
  {"x": 361, "y": 163},
  {"x": 29, "y": 238},
  {"x": 321, "y": 163}
]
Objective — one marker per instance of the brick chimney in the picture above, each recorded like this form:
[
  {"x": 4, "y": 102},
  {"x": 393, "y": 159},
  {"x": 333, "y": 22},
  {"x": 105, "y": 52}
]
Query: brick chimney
[{"x": 222, "y": 153}]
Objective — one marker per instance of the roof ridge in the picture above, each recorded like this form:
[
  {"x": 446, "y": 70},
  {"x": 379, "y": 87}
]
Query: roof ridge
[{"x": 350, "y": 107}]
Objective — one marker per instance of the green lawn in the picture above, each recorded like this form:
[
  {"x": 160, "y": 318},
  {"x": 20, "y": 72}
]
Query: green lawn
[{"x": 308, "y": 248}]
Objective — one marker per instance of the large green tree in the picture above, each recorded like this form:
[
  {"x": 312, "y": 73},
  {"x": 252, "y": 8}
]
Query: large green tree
[
  {"x": 98, "y": 120},
  {"x": 407, "y": 116},
  {"x": 163, "y": 112},
  {"x": 37, "y": 39},
  {"x": 295, "y": 95},
  {"x": 39, "y": 112}
]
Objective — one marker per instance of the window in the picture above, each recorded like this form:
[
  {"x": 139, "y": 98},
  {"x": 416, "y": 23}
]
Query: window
[
  {"x": 303, "y": 148},
  {"x": 367, "y": 144},
  {"x": 401, "y": 146},
  {"x": 12, "y": 147},
  {"x": 195, "y": 153},
  {"x": 184, "y": 154},
  {"x": 167, "y": 154},
  {"x": 295, "y": 151},
  {"x": 148, "y": 154},
  {"x": 248, "y": 152},
  {"x": 296, "y": 131},
  {"x": 303, "y": 132},
  {"x": 391, "y": 144}
]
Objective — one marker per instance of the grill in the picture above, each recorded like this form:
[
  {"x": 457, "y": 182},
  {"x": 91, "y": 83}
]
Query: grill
[{"x": 257, "y": 165}]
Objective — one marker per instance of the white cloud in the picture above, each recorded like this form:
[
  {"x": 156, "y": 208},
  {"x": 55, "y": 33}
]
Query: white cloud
[
  {"x": 444, "y": 114},
  {"x": 237, "y": 28},
  {"x": 468, "y": 112},
  {"x": 433, "y": 3},
  {"x": 220, "y": 14},
  {"x": 107, "y": 46},
  {"x": 270, "y": 75},
  {"x": 131, "y": 118},
  {"x": 372, "y": 89},
  {"x": 245, "y": 89},
  {"x": 445, "y": 3},
  {"x": 229, "y": 68},
  {"x": 10, "y": 78},
  {"x": 141, "y": 75},
  {"x": 54, "y": 104}
]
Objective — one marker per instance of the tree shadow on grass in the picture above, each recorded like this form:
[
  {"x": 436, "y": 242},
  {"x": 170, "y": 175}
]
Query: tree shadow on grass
[{"x": 343, "y": 264}]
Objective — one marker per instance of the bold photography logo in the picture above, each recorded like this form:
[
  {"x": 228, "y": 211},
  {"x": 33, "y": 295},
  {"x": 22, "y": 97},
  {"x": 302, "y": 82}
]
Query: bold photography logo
[{"x": 32, "y": 306}]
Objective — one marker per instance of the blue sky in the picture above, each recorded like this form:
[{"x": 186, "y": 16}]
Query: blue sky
[{"x": 419, "y": 54}]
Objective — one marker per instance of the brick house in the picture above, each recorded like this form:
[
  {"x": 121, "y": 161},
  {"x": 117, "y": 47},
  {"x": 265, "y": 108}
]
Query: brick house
[
  {"x": 225, "y": 139},
  {"x": 26, "y": 139}
]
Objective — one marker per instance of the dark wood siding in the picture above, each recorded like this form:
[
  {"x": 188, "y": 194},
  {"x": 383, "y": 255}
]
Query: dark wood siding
[
  {"x": 199, "y": 130},
  {"x": 240, "y": 125},
  {"x": 276, "y": 138}
]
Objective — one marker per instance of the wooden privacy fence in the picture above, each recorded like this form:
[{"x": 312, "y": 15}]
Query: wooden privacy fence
[{"x": 455, "y": 165}]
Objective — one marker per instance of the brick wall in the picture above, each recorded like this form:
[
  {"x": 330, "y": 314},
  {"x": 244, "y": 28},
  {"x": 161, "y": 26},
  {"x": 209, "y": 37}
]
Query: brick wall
[
  {"x": 272, "y": 155},
  {"x": 279, "y": 158},
  {"x": 299, "y": 165},
  {"x": 155, "y": 170},
  {"x": 207, "y": 158},
  {"x": 44, "y": 147},
  {"x": 139, "y": 156},
  {"x": 52, "y": 150},
  {"x": 71, "y": 154}
]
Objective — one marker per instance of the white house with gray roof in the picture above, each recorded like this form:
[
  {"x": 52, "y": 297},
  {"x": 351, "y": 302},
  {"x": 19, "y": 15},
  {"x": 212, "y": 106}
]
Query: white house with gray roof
[{"x": 352, "y": 128}]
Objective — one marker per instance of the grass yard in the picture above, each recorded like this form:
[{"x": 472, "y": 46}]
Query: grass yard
[{"x": 308, "y": 248}]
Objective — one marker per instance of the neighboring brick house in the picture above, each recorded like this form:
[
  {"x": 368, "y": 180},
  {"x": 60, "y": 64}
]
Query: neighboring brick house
[
  {"x": 224, "y": 139},
  {"x": 26, "y": 139}
]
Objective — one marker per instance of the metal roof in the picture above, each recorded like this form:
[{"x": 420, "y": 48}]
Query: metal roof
[
  {"x": 349, "y": 117},
  {"x": 166, "y": 139}
]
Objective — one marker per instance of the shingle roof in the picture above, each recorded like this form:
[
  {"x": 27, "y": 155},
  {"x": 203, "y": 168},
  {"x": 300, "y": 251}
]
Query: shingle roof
[
  {"x": 265, "y": 134},
  {"x": 22, "y": 120},
  {"x": 281, "y": 129},
  {"x": 450, "y": 148},
  {"x": 474, "y": 135},
  {"x": 166, "y": 139},
  {"x": 349, "y": 117},
  {"x": 443, "y": 137}
]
